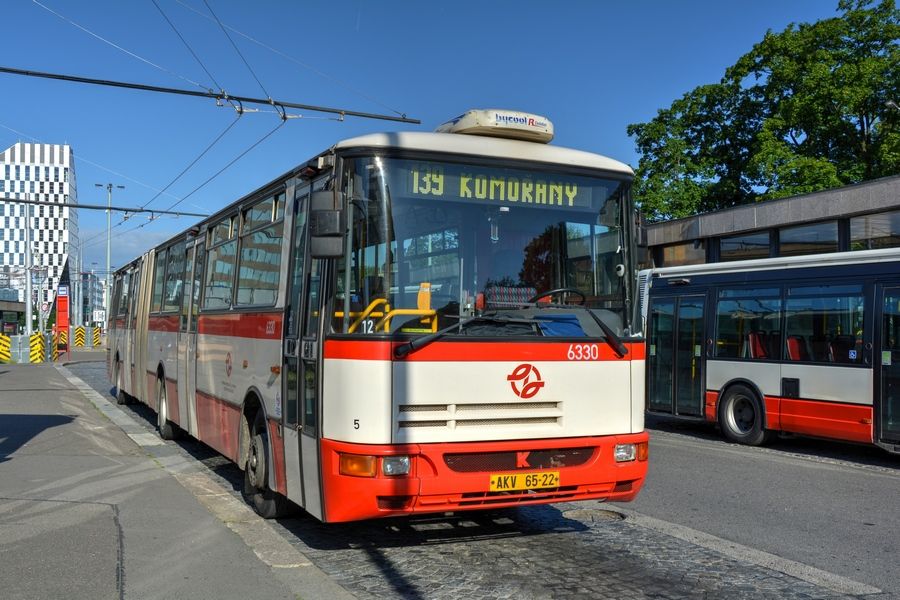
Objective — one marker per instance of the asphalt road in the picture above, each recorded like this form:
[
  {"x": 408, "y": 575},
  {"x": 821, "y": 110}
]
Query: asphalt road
[
  {"x": 830, "y": 505},
  {"x": 715, "y": 521}
]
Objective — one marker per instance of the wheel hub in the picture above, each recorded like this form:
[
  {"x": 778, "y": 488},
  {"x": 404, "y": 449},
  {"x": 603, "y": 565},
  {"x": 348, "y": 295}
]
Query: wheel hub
[{"x": 255, "y": 466}]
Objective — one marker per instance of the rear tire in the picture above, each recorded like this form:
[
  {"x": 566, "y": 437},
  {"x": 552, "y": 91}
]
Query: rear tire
[
  {"x": 121, "y": 396},
  {"x": 741, "y": 416},
  {"x": 267, "y": 503},
  {"x": 167, "y": 429}
]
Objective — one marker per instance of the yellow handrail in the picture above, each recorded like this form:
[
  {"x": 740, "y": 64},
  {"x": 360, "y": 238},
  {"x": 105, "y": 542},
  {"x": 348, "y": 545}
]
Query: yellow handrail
[
  {"x": 386, "y": 319},
  {"x": 365, "y": 314}
]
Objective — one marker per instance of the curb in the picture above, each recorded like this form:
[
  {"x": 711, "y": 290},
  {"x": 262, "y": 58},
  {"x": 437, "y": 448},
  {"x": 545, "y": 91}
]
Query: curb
[{"x": 286, "y": 563}]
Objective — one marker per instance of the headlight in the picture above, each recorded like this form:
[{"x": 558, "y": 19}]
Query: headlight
[
  {"x": 625, "y": 452},
  {"x": 395, "y": 465}
]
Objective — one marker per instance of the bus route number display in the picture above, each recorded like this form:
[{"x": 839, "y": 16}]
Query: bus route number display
[{"x": 495, "y": 187}]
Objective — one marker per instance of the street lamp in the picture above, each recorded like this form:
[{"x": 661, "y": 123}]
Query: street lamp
[
  {"x": 109, "y": 189},
  {"x": 892, "y": 104}
]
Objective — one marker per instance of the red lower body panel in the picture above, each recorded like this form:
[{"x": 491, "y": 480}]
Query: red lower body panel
[
  {"x": 433, "y": 486},
  {"x": 218, "y": 424},
  {"x": 820, "y": 418},
  {"x": 277, "y": 456},
  {"x": 851, "y": 422}
]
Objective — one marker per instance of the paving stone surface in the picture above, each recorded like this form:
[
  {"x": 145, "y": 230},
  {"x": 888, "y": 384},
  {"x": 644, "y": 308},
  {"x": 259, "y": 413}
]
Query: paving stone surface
[{"x": 563, "y": 551}]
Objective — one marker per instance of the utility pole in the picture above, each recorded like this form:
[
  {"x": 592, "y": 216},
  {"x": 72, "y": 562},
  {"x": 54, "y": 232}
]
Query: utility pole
[
  {"x": 29, "y": 326},
  {"x": 109, "y": 189}
]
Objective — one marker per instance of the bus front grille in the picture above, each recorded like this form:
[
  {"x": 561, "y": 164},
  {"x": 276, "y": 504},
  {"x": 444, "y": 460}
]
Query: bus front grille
[{"x": 478, "y": 414}]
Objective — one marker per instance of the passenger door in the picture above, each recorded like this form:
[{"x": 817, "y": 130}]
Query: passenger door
[
  {"x": 676, "y": 382},
  {"x": 300, "y": 408},
  {"x": 887, "y": 404},
  {"x": 187, "y": 340}
]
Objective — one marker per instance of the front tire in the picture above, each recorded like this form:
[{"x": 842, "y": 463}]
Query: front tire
[
  {"x": 121, "y": 396},
  {"x": 167, "y": 430},
  {"x": 741, "y": 416},
  {"x": 267, "y": 503}
]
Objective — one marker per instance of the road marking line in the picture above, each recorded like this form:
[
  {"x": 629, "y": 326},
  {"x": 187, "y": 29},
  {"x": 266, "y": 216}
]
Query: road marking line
[{"x": 747, "y": 554}]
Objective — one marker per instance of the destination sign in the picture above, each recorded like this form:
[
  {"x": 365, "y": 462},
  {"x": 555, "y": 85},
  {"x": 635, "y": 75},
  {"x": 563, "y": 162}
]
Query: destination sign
[{"x": 443, "y": 181}]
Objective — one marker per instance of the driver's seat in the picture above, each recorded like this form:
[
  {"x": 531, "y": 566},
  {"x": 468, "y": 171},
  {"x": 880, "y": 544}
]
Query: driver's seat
[{"x": 506, "y": 296}]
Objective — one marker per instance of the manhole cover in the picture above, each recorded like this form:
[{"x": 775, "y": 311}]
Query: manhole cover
[{"x": 593, "y": 515}]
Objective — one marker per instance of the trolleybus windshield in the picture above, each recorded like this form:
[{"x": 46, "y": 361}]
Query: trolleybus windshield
[{"x": 431, "y": 242}]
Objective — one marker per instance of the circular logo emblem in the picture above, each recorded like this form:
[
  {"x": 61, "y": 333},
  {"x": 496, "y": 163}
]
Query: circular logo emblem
[
  {"x": 228, "y": 364},
  {"x": 525, "y": 381}
]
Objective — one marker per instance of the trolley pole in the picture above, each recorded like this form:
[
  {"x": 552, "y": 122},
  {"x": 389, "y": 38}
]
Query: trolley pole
[{"x": 109, "y": 189}]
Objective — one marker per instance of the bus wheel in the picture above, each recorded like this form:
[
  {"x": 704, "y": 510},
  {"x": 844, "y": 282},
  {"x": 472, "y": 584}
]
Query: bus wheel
[
  {"x": 267, "y": 503},
  {"x": 166, "y": 428},
  {"x": 741, "y": 416},
  {"x": 121, "y": 396}
]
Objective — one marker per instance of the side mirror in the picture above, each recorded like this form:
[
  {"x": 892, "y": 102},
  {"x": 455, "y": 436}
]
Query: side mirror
[{"x": 326, "y": 224}]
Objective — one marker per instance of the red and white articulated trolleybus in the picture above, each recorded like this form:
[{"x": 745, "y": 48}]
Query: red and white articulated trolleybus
[
  {"x": 406, "y": 323},
  {"x": 806, "y": 344}
]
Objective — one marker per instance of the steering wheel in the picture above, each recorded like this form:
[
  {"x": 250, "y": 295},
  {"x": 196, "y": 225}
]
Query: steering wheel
[{"x": 551, "y": 293}]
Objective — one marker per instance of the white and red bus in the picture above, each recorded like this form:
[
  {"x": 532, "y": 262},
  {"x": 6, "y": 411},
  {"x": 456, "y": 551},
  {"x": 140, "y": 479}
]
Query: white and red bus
[
  {"x": 406, "y": 323},
  {"x": 807, "y": 344}
]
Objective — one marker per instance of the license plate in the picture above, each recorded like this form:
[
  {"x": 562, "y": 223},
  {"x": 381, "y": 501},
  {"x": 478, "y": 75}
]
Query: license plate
[{"x": 507, "y": 482}]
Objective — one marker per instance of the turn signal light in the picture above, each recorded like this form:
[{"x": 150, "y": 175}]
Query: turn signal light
[
  {"x": 357, "y": 465},
  {"x": 631, "y": 452},
  {"x": 643, "y": 450}
]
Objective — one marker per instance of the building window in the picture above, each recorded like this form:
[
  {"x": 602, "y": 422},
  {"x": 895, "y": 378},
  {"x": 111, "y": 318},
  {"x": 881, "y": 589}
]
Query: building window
[
  {"x": 875, "y": 231},
  {"x": 808, "y": 239},
  {"x": 690, "y": 253},
  {"x": 745, "y": 246}
]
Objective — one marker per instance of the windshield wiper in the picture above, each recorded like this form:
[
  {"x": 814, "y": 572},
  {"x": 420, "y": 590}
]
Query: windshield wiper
[
  {"x": 413, "y": 345},
  {"x": 609, "y": 335}
]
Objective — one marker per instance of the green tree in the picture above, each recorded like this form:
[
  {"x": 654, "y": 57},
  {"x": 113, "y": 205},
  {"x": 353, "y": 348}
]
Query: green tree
[{"x": 806, "y": 109}]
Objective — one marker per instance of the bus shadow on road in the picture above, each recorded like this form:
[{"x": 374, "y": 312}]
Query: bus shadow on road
[
  {"x": 429, "y": 530},
  {"x": 16, "y": 430},
  {"x": 787, "y": 443}
]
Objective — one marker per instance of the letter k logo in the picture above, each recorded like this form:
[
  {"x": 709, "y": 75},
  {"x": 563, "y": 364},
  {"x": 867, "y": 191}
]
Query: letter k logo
[{"x": 522, "y": 460}]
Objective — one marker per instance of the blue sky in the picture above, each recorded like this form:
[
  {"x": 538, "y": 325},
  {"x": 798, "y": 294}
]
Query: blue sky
[{"x": 592, "y": 67}]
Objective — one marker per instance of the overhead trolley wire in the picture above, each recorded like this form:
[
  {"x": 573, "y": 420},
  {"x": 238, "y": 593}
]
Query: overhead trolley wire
[
  {"x": 220, "y": 96},
  {"x": 117, "y": 47},
  {"x": 101, "y": 237},
  {"x": 186, "y": 45},
  {"x": 177, "y": 177},
  {"x": 234, "y": 160},
  {"x": 90, "y": 162},
  {"x": 194, "y": 162},
  {"x": 297, "y": 61},
  {"x": 236, "y": 49}
]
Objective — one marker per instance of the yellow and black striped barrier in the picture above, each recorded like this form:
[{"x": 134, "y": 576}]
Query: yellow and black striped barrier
[
  {"x": 96, "y": 336},
  {"x": 37, "y": 350},
  {"x": 61, "y": 345},
  {"x": 5, "y": 348},
  {"x": 79, "y": 336}
]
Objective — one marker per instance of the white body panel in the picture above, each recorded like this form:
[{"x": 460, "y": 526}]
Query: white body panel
[
  {"x": 638, "y": 396},
  {"x": 357, "y": 390},
  {"x": 837, "y": 384},
  {"x": 817, "y": 382},
  {"x": 260, "y": 356},
  {"x": 162, "y": 350},
  {"x": 767, "y": 377},
  {"x": 479, "y": 146},
  {"x": 436, "y": 401}
]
